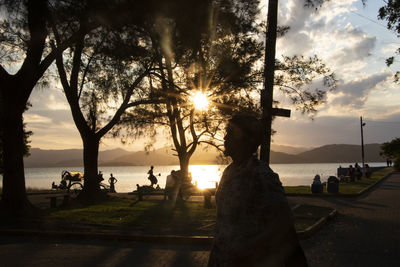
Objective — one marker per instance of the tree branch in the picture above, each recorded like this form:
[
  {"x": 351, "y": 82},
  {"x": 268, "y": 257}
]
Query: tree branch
[
  {"x": 193, "y": 133},
  {"x": 85, "y": 72},
  {"x": 124, "y": 105},
  {"x": 167, "y": 81},
  {"x": 48, "y": 60}
]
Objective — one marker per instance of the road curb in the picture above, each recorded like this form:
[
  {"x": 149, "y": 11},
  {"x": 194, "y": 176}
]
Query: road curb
[
  {"x": 316, "y": 226},
  {"x": 375, "y": 184},
  {"x": 164, "y": 239}
]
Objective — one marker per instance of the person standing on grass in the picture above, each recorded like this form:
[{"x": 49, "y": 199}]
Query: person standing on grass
[
  {"x": 112, "y": 180},
  {"x": 152, "y": 177},
  {"x": 255, "y": 225}
]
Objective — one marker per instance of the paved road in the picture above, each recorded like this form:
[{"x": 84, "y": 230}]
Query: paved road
[
  {"x": 19, "y": 251},
  {"x": 365, "y": 233}
]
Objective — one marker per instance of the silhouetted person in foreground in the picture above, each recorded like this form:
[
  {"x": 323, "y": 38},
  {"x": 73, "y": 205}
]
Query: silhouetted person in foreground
[
  {"x": 112, "y": 180},
  {"x": 255, "y": 226}
]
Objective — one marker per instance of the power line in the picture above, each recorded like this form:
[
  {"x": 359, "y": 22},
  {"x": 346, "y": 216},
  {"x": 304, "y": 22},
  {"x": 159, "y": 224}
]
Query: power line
[
  {"x": 373, "y": 21},
  {"x": 396, "y": 123}
]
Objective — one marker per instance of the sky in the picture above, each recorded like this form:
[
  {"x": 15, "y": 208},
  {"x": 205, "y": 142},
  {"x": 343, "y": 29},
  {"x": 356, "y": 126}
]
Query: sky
[{"x": 345, "y": 34}]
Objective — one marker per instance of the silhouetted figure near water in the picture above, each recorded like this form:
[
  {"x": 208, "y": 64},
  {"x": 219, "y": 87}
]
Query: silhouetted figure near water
[
  {"x": 317, "y": 186},
  {"x": 255, "y": 226},
  {"x": 152, "y": 177},
  {"x": 112, "y": 180},
  {"x": 351, "y": 173},
  {"x": 100, "y": 177},
  {"x": 368, "y": 171},
  {"x": 53, "y": 185},
  {"x": 357, "y": 171}
]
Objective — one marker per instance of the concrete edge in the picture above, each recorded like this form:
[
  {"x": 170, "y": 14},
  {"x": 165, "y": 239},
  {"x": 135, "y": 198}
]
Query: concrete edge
[
  {"x": 375, "y": 184},
  {"x": 311, "y": 230},
  {"x": 167, "y": 239}
]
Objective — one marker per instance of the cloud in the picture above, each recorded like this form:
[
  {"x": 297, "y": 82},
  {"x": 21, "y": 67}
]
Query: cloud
[
  {"x": 55, "y": 117},
  {"x": 335, "y": 130},
  {"x": 51, "y": 97},
  {"x": 358, "y": 46},
  {"x": 354, "y": 93},
  {"x": 36, "y": 119}
]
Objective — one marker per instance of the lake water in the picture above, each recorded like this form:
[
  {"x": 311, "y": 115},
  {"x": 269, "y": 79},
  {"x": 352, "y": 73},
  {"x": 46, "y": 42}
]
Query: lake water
[{"x": 205, "y": 175}]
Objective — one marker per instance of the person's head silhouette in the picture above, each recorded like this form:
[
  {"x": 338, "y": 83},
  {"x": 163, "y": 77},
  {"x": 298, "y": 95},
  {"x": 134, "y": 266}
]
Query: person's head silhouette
[{"x": 243, "y": 136}]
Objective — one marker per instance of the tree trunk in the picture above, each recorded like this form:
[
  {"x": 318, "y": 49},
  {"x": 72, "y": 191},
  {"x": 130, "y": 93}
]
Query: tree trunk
[
  {"x": 91, "y": 190},
  {"x": 184, "y": 163},
  {"x": 14, "y": 192}
]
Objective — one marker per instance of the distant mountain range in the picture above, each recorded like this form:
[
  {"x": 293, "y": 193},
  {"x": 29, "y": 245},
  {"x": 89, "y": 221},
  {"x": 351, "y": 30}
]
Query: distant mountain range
[{"x": 165, "y": 156}]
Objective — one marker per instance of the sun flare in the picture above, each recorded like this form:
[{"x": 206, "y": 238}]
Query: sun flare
[
  {"x": 200, "y": 101},
  {"x": 205, "y": 176}
]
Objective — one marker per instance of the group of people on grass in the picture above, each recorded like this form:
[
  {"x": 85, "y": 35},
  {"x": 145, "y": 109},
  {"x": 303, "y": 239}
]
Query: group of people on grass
[{"x": 355, "y": 173}]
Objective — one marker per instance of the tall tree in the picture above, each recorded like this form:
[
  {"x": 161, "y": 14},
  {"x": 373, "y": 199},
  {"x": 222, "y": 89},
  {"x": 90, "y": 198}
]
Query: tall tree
[
  {"x": 101, "y": 76},
  {"x": 214, "y": 58},
  {"x": 224, "y": 67},
  {"x": 25, "y": 55},
  {"x": 23, "y": 34}
]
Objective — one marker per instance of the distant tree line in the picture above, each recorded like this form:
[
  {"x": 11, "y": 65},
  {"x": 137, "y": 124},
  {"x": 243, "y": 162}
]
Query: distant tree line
[{"x": 391, "y": 150}]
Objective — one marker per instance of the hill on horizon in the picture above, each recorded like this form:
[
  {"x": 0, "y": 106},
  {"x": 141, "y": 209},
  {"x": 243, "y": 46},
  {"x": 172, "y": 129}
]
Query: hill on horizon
[
  {"x": 342, "y": 153},
  {"x": 336, "y": 153}
]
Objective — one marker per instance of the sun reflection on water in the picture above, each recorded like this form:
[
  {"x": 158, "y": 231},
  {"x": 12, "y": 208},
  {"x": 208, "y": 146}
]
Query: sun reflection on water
[{"x": 206, "y": 175}]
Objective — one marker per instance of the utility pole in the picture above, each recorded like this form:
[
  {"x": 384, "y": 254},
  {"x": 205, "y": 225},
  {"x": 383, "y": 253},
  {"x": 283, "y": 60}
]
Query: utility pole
[
  {"x": 269, "y": 68},
  {"x": 362, "y": 124},
  {"x": 267, "y": 93}
]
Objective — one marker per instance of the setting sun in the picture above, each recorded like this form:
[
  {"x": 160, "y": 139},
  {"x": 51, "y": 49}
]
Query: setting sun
[
  {"x": 205, "y": 176},
  {"x": 200, "y": 101}
]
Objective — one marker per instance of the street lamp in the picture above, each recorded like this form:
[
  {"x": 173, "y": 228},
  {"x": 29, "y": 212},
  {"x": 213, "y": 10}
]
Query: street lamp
[{"x": 362, "y": 124}]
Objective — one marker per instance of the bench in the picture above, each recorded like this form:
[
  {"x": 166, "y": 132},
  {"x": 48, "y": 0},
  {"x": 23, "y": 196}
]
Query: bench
[{"x": 53, "y": 199}]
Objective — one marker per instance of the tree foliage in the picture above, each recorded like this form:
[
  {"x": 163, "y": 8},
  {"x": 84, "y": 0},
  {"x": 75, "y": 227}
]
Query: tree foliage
[
  {"x": 391, "y": 150},
  {"x": 391, "y": 13},
  {"x": 298, "y": 78},
  {"x": 215, "y": 58},
  {"x": 225, "y": 66}
]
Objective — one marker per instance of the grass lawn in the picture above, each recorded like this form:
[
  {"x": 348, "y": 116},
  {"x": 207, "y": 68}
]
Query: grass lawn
[
  {"x": 150, "y": 217},
  {"x": 344, "y": 188},
  {"x": 155, "y": 217},
  {"x": 29, "y": 190},
  {"x": 158, "y": 217}
]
